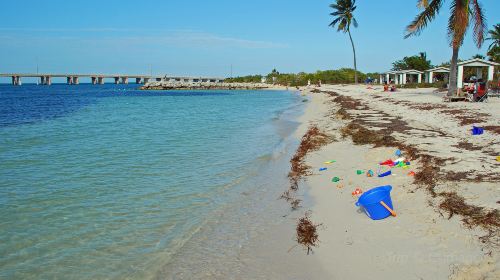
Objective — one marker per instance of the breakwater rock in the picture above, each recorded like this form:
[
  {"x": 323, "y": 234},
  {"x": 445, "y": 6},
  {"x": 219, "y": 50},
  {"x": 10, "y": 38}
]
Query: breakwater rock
[{"x": 168, "y": 85}]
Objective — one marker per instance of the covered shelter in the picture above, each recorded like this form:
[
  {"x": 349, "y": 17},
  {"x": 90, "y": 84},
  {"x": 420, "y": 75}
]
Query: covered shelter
[
  {"x": 389, "y": 76},
  {"x": 402, "y": 76},
  {"x": 429, "y": 74},
  {"x": 479, "y": 65}
]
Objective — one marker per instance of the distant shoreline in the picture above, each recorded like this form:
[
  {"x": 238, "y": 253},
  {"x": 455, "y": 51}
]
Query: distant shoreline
[{"x": 167, "y": 85}]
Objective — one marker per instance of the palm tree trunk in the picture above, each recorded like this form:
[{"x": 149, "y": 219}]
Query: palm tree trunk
[
  {"x": 452, "y": 87},
  {"x": 354, "y": 52}
]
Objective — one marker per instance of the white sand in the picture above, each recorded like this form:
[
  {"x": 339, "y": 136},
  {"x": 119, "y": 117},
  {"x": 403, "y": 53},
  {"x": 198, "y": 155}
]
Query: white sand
[{"x": 419, "y": 243}]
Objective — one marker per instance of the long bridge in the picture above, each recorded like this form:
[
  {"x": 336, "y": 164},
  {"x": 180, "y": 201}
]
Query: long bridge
[{"x": 98, "y": 79}]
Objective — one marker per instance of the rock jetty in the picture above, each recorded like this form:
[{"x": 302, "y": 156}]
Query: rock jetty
[{"x": 169, "y": 85}]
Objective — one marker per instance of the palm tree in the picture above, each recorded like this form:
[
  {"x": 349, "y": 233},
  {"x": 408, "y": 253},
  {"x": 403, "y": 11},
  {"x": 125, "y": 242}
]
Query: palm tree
[
  {"x": 494, "y": 36},
  {"x": 462, "y": 13},
  {"x": 343, "y": 17}
]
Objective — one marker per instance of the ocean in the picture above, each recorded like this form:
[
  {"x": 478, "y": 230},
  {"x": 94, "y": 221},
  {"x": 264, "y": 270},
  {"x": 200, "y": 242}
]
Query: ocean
[{"x": 109, "y": 182}]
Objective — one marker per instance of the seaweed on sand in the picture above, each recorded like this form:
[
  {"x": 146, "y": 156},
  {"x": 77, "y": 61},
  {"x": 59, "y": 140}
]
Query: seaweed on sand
[
  {"x": 342, "y": 114},
  {"x": 307, "y": 233},
  {"x": 473, "y": 216},
  {"x": 311, "y": 141}
]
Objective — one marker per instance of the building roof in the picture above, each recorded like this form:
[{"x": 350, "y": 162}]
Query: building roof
[
  {"x": 440, "y": 69},
  {"x": 411, "y": 71},
  {"x": 478, "y": 62}
]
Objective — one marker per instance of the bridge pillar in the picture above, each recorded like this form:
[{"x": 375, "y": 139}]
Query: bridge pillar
[
  {"x": 69, "y": 80},
  {"x": 76, "y": 80},
  {"x": 16, "y": 81},
  {"x": 42, "y": 80},
  {"x": 94, "y": 80},
  {"x": 125, "y": 80},
  {"x": 138, "y": 80},
  {"x": 48, "y": 80},
  {"x": 117, "y": 80},
  {"x": 146, "y": 80},
  {"x": 100, "y": 80}
]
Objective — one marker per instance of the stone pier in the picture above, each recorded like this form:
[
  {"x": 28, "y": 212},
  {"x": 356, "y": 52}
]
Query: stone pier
[
  {"x": 125, "y": 80},
  {"x": 138, "y": 80},
  {"x": 117, "y": 80}
]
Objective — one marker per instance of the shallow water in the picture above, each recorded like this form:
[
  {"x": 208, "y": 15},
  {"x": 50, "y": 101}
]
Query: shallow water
[{"x": 110, "y": 182}]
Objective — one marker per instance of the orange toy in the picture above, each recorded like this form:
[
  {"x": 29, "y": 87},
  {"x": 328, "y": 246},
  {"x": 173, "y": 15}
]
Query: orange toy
[
  {"x": 357, "y": 191},
  {"x": 411, "y": 173}
]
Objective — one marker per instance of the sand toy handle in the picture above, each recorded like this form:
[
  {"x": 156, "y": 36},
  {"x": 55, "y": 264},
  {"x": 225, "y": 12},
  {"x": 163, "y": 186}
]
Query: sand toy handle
[{"x": 388, "y": 208}]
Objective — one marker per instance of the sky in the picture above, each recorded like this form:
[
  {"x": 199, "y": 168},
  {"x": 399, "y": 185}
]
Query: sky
[{"x": 209, "y": 38}]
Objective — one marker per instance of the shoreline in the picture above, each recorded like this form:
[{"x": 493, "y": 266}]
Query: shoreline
[{"x": 428, "y": 238}]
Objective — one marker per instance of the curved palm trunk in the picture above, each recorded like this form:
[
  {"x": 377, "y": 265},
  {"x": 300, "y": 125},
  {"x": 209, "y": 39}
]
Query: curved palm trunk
[
  {"x": 354, "y": 52},
  {"x": 452, "y": 87}
]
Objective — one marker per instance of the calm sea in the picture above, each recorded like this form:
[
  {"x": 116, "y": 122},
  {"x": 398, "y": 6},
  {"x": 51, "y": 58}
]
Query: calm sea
[{"x": 108, "y": 182}]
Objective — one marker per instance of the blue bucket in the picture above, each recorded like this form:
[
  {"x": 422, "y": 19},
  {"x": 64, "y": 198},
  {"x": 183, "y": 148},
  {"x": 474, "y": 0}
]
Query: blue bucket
[{"x": 370, "y": 201}]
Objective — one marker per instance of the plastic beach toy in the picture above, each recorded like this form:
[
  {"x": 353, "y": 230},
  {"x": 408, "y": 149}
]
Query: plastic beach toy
[
  {"x": 498, "y": 158},
  {"x": 477, "y": 130},
  {"x": 357, "y": 191},
  {"x": 398, "y": 153},
  {"x": 385, "y": 174},
  {"x": 335, "y": 179},
  {"x": 369, "y": 173},
  {"x": 323, "y": 169},
  {"x": 329, "y": 162},
  {"x": 388, "y": 162},
  {"x": 359, "y": 172},
  {"x": 377, "y": 203}
]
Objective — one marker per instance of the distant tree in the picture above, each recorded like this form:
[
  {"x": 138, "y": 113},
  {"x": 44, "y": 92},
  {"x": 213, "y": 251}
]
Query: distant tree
[
  {"x": 494, "y": 36},
  {"x": 494, "y": 54},
  {"x": 417, "y": 62},
  {"x": 494, "y": 47},
  {"x": 462, "y": 13},
  {"x": 342, "y": 18},
  {"x": 480, "y": 56}
]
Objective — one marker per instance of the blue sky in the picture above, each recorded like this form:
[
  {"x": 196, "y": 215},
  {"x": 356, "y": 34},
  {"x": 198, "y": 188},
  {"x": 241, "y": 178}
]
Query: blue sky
[{"x": 191, "y": 37}]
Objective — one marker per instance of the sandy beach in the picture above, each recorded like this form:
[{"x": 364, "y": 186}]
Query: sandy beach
[{"x": 447, "y": 214}]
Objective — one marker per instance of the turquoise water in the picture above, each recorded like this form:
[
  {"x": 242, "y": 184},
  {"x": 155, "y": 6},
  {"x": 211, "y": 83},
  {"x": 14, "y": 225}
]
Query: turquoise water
[{"x": 110, "y": 182}]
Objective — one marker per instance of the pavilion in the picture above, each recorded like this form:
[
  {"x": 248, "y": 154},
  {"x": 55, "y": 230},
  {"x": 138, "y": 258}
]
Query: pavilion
[
  {"x": 402, "y": 76},
  {"x": 478, "y": 64},
  {"x": 429, "y": 74}
]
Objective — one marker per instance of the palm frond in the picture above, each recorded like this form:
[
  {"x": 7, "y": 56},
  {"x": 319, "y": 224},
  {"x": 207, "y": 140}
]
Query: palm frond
[
  {"x": 343, "y": 15},
  {"x": 335, "y": 21},
  {"x": 422, "y": 4},
  {"x": 426, "y": 16},
  {"x": 354, "y": 22},
  {"x": 480, "y": 25}
]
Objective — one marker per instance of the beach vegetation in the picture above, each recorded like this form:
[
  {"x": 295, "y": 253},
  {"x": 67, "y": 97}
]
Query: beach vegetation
[
  {"x": 245, "y": 79},
  {"x": 494, "y": 54},
  {"x": 494, "y": 47},
  {"x": 417, "y": 62},
  {"x": 463, "y": 14},
  {"x": 339, "y": 76},
  {"x": 343, "y": 18},
  {"x": 494, "y": 36},
  {"x": 479, "y": 56}
]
